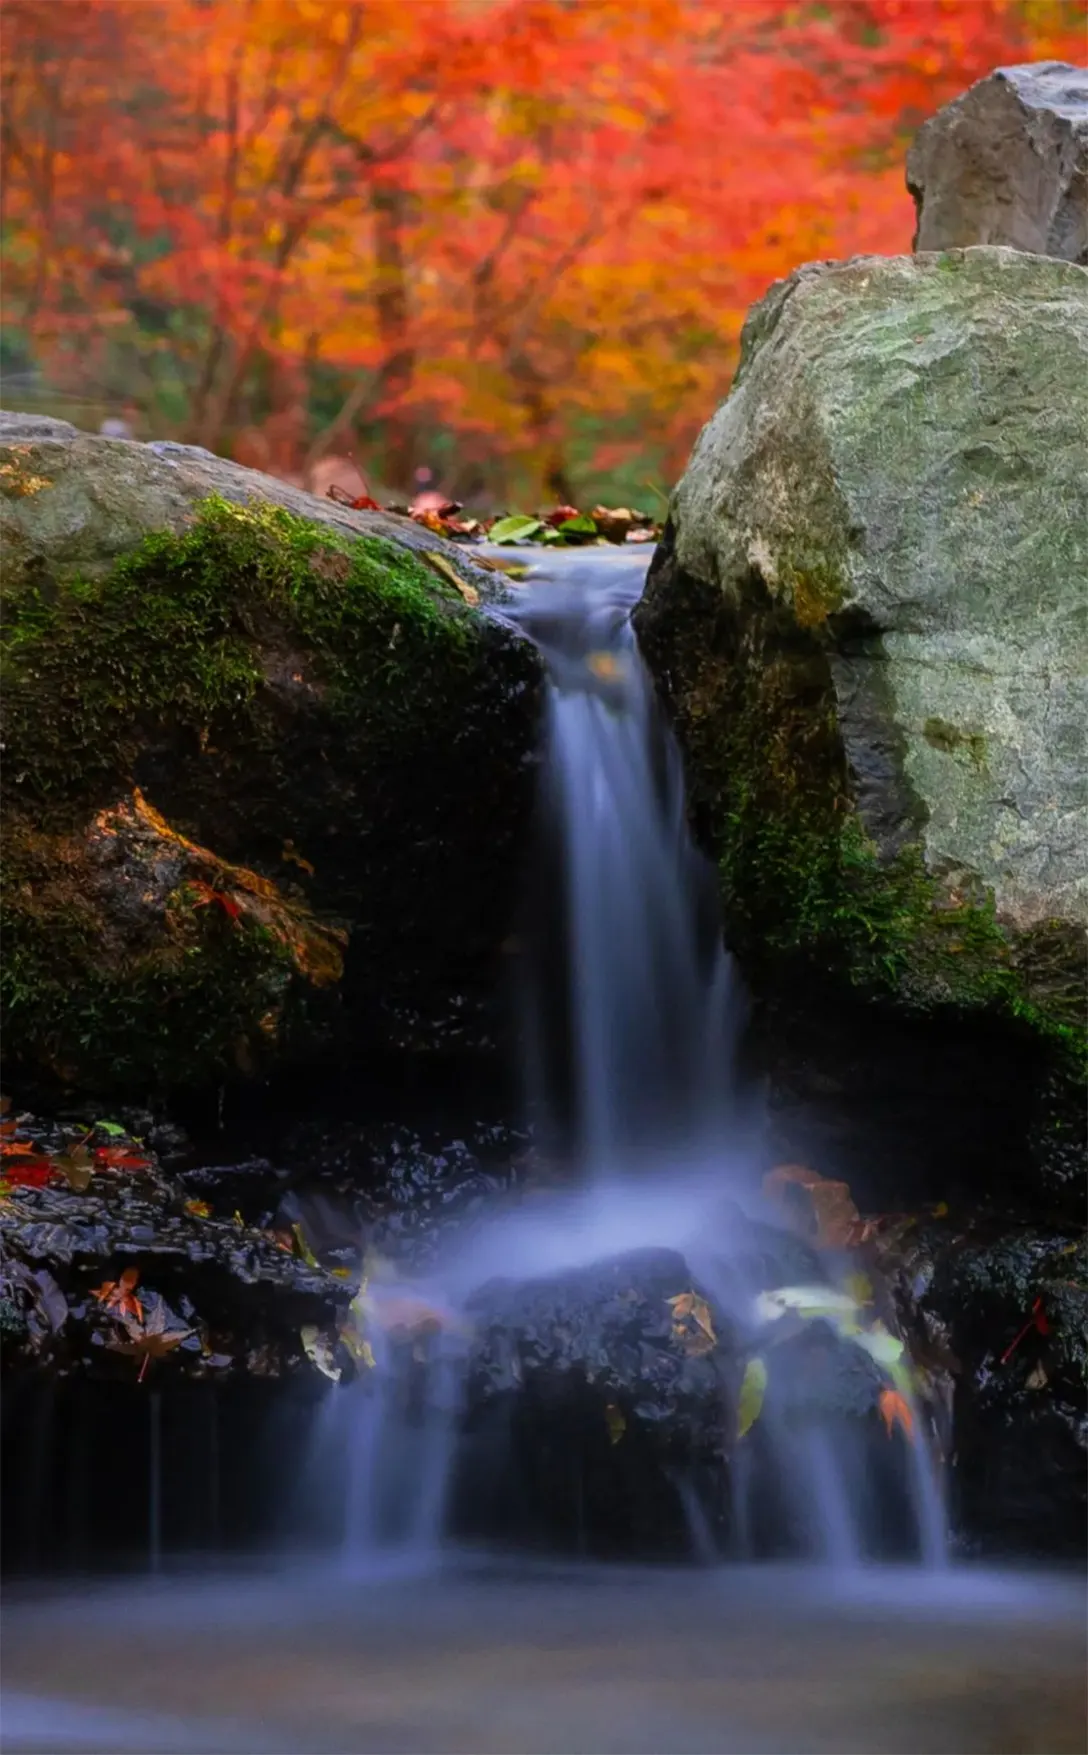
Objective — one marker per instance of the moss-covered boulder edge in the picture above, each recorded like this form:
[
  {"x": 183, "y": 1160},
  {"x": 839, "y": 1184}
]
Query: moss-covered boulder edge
[
  {"x": 264, "y": 786},
  {"x": 866, "y": 617}
]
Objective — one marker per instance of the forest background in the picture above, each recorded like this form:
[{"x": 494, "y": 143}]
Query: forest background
[{"x": 499, "y": 247}]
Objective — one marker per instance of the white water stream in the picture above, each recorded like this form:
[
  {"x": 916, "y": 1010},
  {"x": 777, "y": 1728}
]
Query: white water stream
[{"x": 631, "y": 1037}]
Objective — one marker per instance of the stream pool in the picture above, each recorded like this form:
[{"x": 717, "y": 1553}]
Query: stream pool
[{"x": 478, "y": 1658}]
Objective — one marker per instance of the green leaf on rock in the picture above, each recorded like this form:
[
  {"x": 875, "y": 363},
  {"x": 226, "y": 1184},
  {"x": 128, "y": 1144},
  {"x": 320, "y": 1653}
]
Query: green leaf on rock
[
  {"x": 516, "y": 528},
  {"x": 750, "y": 1401}
]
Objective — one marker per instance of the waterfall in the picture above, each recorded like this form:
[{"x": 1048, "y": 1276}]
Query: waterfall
[{"x": 632, "y": 1019}]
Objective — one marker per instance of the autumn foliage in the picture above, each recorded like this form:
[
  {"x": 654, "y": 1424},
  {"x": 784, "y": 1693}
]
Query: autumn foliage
[{"x": 511, "y": 240}]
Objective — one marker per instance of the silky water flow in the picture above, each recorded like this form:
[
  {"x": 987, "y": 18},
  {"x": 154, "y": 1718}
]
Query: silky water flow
[{"x": 631, "y": 1020}]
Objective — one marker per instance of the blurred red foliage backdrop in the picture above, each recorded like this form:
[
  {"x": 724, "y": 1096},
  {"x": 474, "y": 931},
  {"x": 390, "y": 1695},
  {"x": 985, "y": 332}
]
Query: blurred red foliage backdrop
[{"x": 509, "y": 240}]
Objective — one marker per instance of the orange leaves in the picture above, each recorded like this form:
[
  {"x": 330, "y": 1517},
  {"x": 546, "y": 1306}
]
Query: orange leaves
[
  {"x": 515, "y": 221},
  {"x": 119, "y": 1296},
  {"x": 895, "y": 1411},
  {"x": 150, "y": 1333}
]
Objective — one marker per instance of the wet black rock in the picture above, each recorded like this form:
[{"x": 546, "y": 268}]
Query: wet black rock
[
  {"x": 105, "y": 1255},
  {"x": 593, "y": 1415},
  {"x": 1015, "y": 1302}
]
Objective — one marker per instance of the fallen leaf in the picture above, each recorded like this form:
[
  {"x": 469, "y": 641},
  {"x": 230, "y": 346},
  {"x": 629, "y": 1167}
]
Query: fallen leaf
[
  {"x": 358, "y": 503},
  {"x": 446, "y": 570},
  {"x": 295, "y": 858},
  {"x": 860, "y": 1288},
  {"x": 112, "y": 1129},
  {"x": 580, "y": 528},
  {"x": 1036, "y": 1377},
  {"x": 940, "y": 1211},
  {"x": 358, "y": 1346},
  {"x": 605, "y": 665},
  {"x": 559, "y": 515},
  {"x": 615, "y": 1422},
  {"x": 76, "y": 1166},
  {"x": 206, "y": 897},
  {"x": 750, "y": 1400},
  {"x": 27, "y": 1169},
  {"x": 688, "y": 1308},
  {"x": 320, "y": 1351},
  {"x": 515, "y": 528},
  {"x": 613, "y": 523},
  {"x": 835, "y": 1219},
  {"x": 304, "y": 1249},
  {"x": 198, "y": 1208},
  {"x": 119, "y": 1158},
  {"x": 895, "y": 1411},
  {"x": 119, "y": 1296},
  {"x": 151, "y": 1340},
  {"x": 1037, "y": 1320}
]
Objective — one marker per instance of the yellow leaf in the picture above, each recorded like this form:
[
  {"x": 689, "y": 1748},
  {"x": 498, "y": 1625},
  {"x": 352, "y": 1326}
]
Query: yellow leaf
[
  {"x": 304, "y": 1249},
  {"x": 198, "y": 1208},
  {"x": 446, "y": 570},
  {"x": 616, "y": 1423},
  {"x": 940, "y": 1211},
  {"x": 750, "y": 1401},
  {"x": 860, "y": 1288}
]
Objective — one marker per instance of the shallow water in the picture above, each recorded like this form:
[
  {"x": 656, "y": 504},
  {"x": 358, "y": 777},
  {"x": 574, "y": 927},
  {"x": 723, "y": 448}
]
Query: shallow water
[{"x": 480, "y": 1659}]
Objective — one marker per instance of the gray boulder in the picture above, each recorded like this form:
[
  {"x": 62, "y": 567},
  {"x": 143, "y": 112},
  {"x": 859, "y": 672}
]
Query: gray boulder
[
  {"x": 869, "y": 615},
  {"x": 1007, "y": 163}
]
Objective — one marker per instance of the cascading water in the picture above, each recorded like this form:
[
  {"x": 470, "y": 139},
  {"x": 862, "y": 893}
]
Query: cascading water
[
  {"x": 640, "y": 1023},
  {"x": 630, "y": 1041}
]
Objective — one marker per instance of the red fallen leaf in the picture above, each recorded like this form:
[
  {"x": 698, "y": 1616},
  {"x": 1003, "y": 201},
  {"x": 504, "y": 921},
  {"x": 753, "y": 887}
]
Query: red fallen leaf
[
  {"x": 1037, "y": 1320},
  {"x": 206, "y": 897},
  {"x": 28, "y": 1172},
  {"x": 559, "y": 515},
  {"x": 895, "y": 1411},
  {"x": 363, "y": 503},
  {"x": 120, "y": 1158}
]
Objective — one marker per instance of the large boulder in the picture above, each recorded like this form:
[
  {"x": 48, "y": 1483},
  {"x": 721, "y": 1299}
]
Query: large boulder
[
  {"x": 1007, "y": 163},
  {"x": 868, "y": 616},
  {"x": 267, "y": 766}
]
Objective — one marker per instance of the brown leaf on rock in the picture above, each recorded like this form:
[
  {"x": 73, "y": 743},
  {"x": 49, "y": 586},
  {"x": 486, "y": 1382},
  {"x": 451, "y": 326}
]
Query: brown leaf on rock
[
  {"x": 692, "y": 1324},
  {"x": 816, "y": 1206}
]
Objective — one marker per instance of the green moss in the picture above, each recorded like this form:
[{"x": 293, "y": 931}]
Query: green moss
[
  {"x": 189, "y": 625},
  {"x": 297, "y": 701},
  {"x": 802, "y": 882},
  {"x": 168, "y": 1018},
  {"x": 940, "y": 734}
]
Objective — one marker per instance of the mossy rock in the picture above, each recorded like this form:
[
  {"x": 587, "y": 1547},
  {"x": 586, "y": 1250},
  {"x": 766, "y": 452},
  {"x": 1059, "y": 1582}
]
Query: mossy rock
[
  {"x": 267, "y": 770},
  {"x": 868, "y": 617}
]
